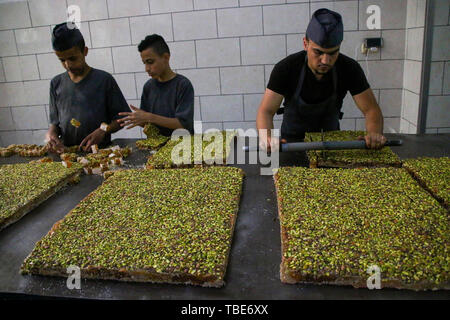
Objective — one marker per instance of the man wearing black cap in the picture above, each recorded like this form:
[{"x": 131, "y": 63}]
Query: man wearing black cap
[
  {"x": 313, "y": 84},
  {"x": 87, "y": 95}
]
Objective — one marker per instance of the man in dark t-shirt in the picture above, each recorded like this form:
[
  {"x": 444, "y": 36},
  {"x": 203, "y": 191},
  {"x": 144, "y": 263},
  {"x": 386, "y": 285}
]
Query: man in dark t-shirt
[
  {"x": 313, "y": 84},
  {"x": 82, "y": 98},
  {"x": 168, "y": 98}
]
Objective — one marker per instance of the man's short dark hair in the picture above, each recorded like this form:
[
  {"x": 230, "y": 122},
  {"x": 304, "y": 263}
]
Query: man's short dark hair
[
  {"x": 81, "y": 45},
  {"x": 66, "y": 36},
  {"x": 156, "y": 42}
]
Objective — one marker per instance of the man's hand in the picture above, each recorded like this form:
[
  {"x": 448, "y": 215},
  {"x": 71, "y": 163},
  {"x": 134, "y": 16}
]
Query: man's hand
[
  {"x": 96, "y": 137},
  {"x": 373, "y": 140},
  {"x": 54, "y": 144},
  {"x": 136, "y": 118},
  {"x": 264, "y": 120},
  {"x": 269, "y": 143}
]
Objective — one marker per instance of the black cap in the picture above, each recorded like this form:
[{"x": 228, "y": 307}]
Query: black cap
[
  {"x": 326, "y": 28},
  {"x": 65, "y": 36}
]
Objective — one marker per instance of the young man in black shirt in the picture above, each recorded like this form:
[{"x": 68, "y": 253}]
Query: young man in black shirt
[
  {"x": 87, "y": 95},
  {"x": 313, "y": 84},
  {"x": 168, "y": 98}
]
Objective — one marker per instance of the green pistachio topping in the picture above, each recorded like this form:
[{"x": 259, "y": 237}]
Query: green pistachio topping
[
  {"x": 163, "y": 158},
  {"x": 177, "y": 221},
  {"x": 24, "y": 182},
  {"x": 154, "y": 138},
  {"x": 433, "y": 174},
  {"x": 338, "y": 222},
  {"x": 353, "y": 157}
]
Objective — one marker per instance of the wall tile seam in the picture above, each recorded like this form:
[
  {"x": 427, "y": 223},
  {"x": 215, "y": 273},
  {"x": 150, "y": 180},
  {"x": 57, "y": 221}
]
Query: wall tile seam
[
  {"x": 23, "y": 130},
  {"x": 223, "y": 67},
  {"x": 199, "y": 39},
  {"x": 439, "y": 95},
  {"x": 171, "y": 13},
  {"x": 406, "y": 89}
]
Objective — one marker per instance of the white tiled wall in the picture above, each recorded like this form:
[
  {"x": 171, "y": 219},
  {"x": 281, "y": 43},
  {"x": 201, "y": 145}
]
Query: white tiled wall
[
  {"x": 438, "y": 115},
  {"x": 415, "y": 15},
  {"x": 227, "y": 48}
]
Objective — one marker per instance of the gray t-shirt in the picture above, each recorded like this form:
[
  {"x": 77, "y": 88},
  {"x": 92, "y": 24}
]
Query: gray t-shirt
[
  {"x": 172, "y": 99},
  {"x": 95, "y": 99}
]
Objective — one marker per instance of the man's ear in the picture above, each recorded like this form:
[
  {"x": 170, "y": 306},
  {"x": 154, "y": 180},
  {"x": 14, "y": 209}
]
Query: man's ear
[
  {"x": 85, "y": 51},
  {"x": 305, "y": 43},
  {"x": 166, "y": 56}
]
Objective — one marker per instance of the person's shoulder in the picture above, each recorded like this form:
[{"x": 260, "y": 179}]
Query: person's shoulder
[
  {"x": 296, "y": 56},
  {"x": 182, "y": 83},
  {"x": 56, "y": 80},
  {"x": 183, "y": 80},
  {"x": 295, "y": 59},
  {"x": 149, "y": 83},
  {"x": 105, "y": 78},
  {"x": 98, "y": 73},
  {"x": 344, "y": 61},
  {"x": 352, "y": 74}
]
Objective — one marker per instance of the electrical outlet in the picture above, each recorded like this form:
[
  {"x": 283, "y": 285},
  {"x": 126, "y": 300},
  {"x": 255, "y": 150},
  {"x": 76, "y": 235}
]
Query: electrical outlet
[{"x": 371, "y": 45}]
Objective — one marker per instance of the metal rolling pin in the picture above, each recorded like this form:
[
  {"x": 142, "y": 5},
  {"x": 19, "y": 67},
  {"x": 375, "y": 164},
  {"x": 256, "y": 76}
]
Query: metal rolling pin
[{"x": 324, "y": 145}]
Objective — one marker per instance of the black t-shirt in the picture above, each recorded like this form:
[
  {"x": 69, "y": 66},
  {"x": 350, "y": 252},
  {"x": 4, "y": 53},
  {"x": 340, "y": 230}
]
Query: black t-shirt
[
  {"x": 95, "y": 99},
  {"x": 172, "y": 99},
  {"x": 286, "y": 74}
]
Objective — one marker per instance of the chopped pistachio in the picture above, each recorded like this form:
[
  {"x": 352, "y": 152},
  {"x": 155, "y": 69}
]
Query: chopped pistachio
[
  {"x": 350, "y": 157},
  {"x": 163, "y": 157},
  {"x": 433, "y": 174},
  {"x": 341, "y": 221},
  {"x": 23, "y": 183},
  {"x": 169, "y": 221},
  {"x": 154, "y": 138}
]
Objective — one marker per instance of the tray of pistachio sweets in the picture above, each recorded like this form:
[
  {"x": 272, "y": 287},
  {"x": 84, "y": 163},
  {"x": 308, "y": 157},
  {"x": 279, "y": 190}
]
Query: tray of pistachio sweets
[
  {"x": 337, "y": 223},
  {"x": 433, "y": 174},
  {"x": 154, "y": 139},
  {"x": 26, "y": 185},
  {"x": 68, "y": 156},
  {"x": 42, "y": 160},
  {"x": 134, "y": 227},
  {"x": 72, "y": 149},
  {"x": 24, "y": 150},
  {"x": 207, "y": 149},
  {"x": 98, "y": 161},
  {"x": 351, "y": 158},
  {"x": 5, "y": 152}
]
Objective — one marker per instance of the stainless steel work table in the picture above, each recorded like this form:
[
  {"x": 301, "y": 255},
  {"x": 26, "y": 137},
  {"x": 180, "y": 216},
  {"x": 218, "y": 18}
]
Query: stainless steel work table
[{"x": 253, "y": 269}]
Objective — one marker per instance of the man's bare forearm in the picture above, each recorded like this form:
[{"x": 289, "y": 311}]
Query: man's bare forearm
[
  {"x": 171, "y": 123},
  {"x": 374, "y": 121},
  {"x": 53, "y": 129},
  {"x": 264, "y": 120},
  {"x": 114, "y": 126}
]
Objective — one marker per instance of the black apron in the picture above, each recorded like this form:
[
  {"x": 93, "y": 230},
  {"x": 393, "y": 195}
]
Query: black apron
[{"x": 300, "y": 117}]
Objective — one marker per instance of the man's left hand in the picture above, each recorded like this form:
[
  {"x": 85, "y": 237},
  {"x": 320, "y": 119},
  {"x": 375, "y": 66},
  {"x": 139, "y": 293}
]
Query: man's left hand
[
  {"x": 373, "y": 140},
  {"x": 136, "y": 118},
  {"x": 96, "y": 137}
]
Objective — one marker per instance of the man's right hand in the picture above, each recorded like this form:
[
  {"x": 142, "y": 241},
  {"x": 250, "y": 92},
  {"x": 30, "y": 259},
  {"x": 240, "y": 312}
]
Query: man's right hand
[
  {"x": 54, "y": 144},
  {"x": 268, "y": 143},
  {"x": 264, "y": 119}
]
